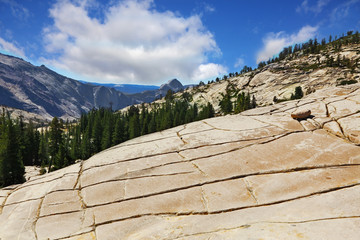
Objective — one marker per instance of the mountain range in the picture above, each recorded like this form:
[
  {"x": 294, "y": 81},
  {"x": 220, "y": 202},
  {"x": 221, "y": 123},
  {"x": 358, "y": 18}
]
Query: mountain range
[
  {"x": 126, "y": 88},
  {"x": 42, "y": 91}
]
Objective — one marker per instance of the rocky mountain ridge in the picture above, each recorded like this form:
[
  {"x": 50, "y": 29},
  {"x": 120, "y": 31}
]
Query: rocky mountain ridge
[
  {"x": 26, "y": 116},
  {"x": 279, "y": 80},
  {"x": 151, "y": 95},
  {"x": 42, "y": 91}
]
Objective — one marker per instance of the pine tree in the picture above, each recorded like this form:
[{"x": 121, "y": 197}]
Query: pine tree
[
  {"x": 226, "y": 104},
  {"x": 59, "y": 160},
  {"x": 29, "y": 148},
  {"x": 96, "y": 135},
  {"x": 75, "y": 151},
  {"x": 298, "y": 92},
  {"x": 253, "y": 102},
  {"x": 86, "y": 150},
  {"x": 55, "y": 140},
  {"x": 11, "y": 166},
  {"x": 43, "y": 149},
  {"x": 20, "y": 131},
  {"x": 36, "y": 146},
  {"x": 134, "y": 126},
  {"x": 118, "y": 134},
  {"x": 152, "y": 124},
  {"x": 106, "y": 136}
]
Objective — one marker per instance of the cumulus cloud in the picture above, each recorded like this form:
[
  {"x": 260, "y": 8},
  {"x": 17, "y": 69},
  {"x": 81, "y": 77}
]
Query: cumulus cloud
[
  {"x": 133, "y": 43},
  {"x": 317, "y": 8},
  {"x": 208, "y": 71},
  {"x": 275, "y": 42},
  {"x": 11, "y": 48}
]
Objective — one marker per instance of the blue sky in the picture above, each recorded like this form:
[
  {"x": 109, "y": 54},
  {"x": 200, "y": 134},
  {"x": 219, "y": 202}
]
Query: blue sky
[{"x": 152, "y": 41}]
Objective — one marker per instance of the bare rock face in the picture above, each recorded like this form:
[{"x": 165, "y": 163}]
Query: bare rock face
[
  {"x": 280, "y": 79},
  {"x": 256, "y": 175}
]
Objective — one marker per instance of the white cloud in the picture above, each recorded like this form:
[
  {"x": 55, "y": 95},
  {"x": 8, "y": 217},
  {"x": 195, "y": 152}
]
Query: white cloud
[
  {"x": 11, "y": 48},
  {"x": 134, "y": 43},
  {"x": 209, "y": 8},
  {"x": 275, "y": 42},
  {"x": 17, "y": 9},
  {"x": 208, "y": 71},
  {"x": 342, "y": 11},
  {"x": 239, "y": 62},
  {"x": 317, "y": 8}
]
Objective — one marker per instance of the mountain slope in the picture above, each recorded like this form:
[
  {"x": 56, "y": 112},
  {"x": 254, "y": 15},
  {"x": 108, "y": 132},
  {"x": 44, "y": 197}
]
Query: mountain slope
[
  {"x": 259, "y": 174},
  {"x": 43, "y": 91},
  {"x": 309, "y": 71}
]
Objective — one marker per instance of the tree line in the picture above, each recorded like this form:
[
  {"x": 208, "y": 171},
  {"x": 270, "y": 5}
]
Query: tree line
[
  {"x": 314, "y": 46},
  {"x": 243, "y": 101},
  {"x": 62, "y": 143}
]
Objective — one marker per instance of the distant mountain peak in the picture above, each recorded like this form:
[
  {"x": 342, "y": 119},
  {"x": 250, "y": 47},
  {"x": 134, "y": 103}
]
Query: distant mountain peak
[
  {"x": 173, "y": 84},
  {"x": 43, "y": 91}
]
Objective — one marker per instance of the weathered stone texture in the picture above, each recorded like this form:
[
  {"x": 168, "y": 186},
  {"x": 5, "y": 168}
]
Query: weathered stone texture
[{"x": 256, "y": 175}]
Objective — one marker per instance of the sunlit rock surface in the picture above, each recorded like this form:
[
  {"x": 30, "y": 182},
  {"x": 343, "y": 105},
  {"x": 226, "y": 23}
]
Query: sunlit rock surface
[{"x": 256, "y": 175}]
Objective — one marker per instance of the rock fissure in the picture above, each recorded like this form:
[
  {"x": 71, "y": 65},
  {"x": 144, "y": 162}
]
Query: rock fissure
[
  {"x": 38, "y": 198},
  {"x": 38, "y": 211},
  {"x": 244, "y": 226},
  {"x": 48, "y": 181},
  {"x": 76, "y": 235},
  {"x": 209, "y": 232},
  {"x": 178, "y": 151},
  {"x": 198, "y": 169},
  {"x": 79, "y": 174},
  {"x": 315, "y": 220},
  {"x": 190, "y": 213},
  {"x": 250, "y": 190},
  {"x": 204, "y": 200},
  {"x": 139, "y": 177},
  {"x": 181, "y": 138},
  {"x": 231, "y": 178},
  {"x": 4, "y": 202}
]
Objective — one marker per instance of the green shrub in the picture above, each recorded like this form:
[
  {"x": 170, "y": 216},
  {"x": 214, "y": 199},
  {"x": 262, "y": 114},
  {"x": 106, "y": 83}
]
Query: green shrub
[
  {"x": 42, "y": 171},
  {"x": 347, "y": 82}
]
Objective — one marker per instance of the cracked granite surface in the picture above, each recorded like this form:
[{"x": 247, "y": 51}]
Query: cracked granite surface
[{"x": 258, "y": 174}]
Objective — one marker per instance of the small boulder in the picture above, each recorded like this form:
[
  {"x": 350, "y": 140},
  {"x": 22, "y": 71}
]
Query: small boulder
[{"x": 301, "y": 113}]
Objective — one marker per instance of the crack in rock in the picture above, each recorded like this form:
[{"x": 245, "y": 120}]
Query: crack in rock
[
  {"x": 199, "y": 169},
  {"x": 316, "y": 220},
  {"x": 177, "y": 151},
  {"x": 190, "y": 213},
  {"x": 250, "y": 189},
  {"x": 228, "y": 179},
  {"x": 179, "y": 136},
  {"x": 244, "y": 226},
  {"x": 37, "y": 217},
  {"x": 204, "y": 199}
]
